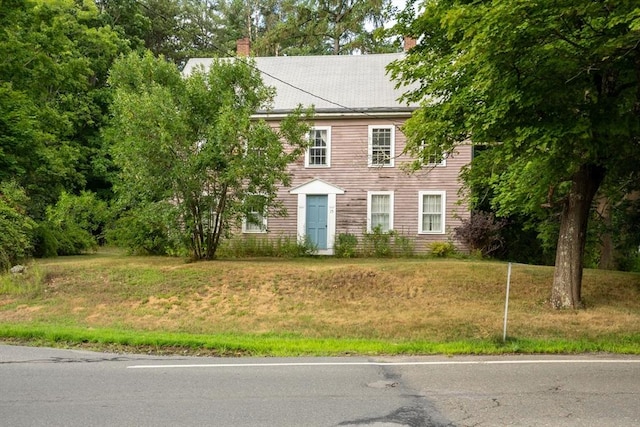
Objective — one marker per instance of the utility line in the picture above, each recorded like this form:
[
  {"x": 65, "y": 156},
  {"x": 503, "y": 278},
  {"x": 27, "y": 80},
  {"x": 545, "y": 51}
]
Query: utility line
[{"x": 248, "y": 63}]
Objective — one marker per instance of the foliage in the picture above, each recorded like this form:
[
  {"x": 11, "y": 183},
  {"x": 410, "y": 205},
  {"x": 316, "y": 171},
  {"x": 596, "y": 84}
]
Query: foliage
[
  {"x": 192, "y": 144},
  {"x": 56, "y": 55},
  {"x": 481, "y": 232},
  {"x": 72, "y": 226},
  {"x": 280, "y": 247},
  {"x": 377, "y": 243},
  {"x": 380, "y": 244},
  {"x": 442, "y": 249},
  {"x": 28, "y": 284},
  {"x": 620, "y": 222},
  {"x": 221, "y": 305},
  {"x": 290, "y": 27},
  {"x": 346, "y": 245},
  {"x": 184, "y": 29},
  {"x": 52, "y": 239},
  {"x": 85, "y": 211},
  {"x": 402, "y": 245},
  {"x": 144, "y": 230},
  {"x": 551, "y": 86},
  {"x": 15, "y": 226}
]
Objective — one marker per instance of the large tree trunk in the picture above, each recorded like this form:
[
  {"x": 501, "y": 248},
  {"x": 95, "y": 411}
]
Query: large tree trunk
[{"x": 567, "y": 278}]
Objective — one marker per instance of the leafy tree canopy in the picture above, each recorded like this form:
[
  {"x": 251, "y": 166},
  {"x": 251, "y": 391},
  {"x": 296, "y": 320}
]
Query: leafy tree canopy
[
  {"x": 56, "y": 55},
  {"x": 182, "y": 29},
  {"x": 190, "y": 147},
  {"x": 552, "y": 86}
]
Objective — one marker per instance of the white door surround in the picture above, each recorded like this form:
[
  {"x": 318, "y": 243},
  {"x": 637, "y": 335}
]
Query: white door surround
[{"x": 319, "y": 187}]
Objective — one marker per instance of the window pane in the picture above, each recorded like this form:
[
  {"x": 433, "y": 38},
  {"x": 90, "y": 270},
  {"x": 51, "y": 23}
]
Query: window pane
[
  {"x": 431, "y": 222},
  {"x": 432, "y": 212},
  {"x": 381, "y": 211},
  {"x": 381, "y": 146},
  {"x": 318, "y": 148},
  {"x": 432, "y": 159},
  {"x": 254, "y": 222},
  {"x": 431, "y": 203},
  {"x": 254, "y": 219}
]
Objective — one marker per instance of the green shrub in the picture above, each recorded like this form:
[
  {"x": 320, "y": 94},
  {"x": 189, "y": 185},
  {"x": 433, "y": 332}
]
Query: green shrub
[
  {"x": 377, "y": 243},
  {"x": 346, "y": 245},
  {"x": 442, "y": 249},
  {"x": 75, "y": 224},
  {"x": 16, "y": 227},
  {"x": 247, "y": 246},
  {"x": 51, "y": 240},
  {"x": 263, "y": 246},
  {"x": 403, "y": 246},
  {"x": 143, "y": 230},
  {"x": 85, "y": 211},
  {"x": 45, "y": 241}
]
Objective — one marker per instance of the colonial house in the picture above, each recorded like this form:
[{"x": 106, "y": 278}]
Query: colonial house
[{"x": 353, "y": 178}]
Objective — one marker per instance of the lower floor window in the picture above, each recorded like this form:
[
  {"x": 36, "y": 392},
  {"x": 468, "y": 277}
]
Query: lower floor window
[
  {"x": 432, "y": 212},
  {"x": 380, "y": 211},
  {"x": 255, "y": 220}
]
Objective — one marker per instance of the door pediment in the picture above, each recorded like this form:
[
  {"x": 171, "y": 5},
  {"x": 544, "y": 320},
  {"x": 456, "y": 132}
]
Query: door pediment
[{"x": 316, "y": 186}]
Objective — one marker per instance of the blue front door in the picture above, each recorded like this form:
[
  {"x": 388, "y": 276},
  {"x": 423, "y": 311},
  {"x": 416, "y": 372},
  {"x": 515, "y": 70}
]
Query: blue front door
[{"x": 317, "y": 220}]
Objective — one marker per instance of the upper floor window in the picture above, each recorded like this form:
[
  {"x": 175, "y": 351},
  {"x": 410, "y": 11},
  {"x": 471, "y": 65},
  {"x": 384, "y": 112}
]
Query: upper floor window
[
  {"x": 319, "y": 152},
  {"x": 380, "y": 210},
  {"x": 431, "y": 212},
  {"x": 436, "y": 161},
  {"x": 381, "y": 145},
  {"x": 432, "y": 159}
]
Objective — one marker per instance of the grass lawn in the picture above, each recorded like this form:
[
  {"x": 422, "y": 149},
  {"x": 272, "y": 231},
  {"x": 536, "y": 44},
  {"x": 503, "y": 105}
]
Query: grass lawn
[{"x": 312, "y": 306}]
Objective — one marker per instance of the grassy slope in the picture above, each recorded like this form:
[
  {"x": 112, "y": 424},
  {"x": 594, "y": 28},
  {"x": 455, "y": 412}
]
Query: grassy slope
[{"x": 314, "y": 306}]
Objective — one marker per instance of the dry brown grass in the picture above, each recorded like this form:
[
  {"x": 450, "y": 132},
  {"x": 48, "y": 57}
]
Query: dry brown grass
[{"x": 398, "y": 299}]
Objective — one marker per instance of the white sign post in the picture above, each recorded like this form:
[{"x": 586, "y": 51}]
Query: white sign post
[{"x": 506, "y": 304}]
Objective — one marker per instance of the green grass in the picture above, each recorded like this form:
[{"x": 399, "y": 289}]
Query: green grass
[
  {"x": 291, "y": 345},
  {"x": 311, "y": 306}
]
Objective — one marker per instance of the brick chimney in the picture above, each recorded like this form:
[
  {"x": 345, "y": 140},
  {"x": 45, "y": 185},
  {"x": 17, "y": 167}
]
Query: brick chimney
[
  {"x": 243, "y": 47},
  {"x": 409, "y": 42}
]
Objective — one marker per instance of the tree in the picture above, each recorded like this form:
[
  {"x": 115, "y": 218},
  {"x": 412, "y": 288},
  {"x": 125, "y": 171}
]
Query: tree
[
  {"x": 128, "y": 18},
  {"x": 190, "y": 148},
  {"x": 551, "y": 86},
  {"x": 15, "y": 226},
  {"x": 323, "y": 27},
  {"x": 56, "y": 55}
]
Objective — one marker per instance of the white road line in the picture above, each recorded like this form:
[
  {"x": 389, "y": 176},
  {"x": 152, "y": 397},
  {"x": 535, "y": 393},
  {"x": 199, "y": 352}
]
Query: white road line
[{"x": 432, "y": 363}]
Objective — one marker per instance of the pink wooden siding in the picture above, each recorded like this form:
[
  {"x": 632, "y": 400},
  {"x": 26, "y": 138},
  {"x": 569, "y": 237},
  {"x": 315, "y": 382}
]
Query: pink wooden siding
[{"x": 350, "y": 171}]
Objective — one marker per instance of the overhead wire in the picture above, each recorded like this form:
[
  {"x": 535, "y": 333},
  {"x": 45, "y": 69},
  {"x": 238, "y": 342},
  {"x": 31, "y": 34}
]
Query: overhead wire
[{"x": 253, "y": 66}]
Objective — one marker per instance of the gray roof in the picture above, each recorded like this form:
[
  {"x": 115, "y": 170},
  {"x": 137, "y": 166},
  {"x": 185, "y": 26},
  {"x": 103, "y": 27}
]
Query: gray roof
[{"x": 332, "y": 84}]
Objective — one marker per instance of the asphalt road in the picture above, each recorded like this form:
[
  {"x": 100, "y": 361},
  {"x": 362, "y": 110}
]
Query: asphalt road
[{"x": 50, "y": 387}]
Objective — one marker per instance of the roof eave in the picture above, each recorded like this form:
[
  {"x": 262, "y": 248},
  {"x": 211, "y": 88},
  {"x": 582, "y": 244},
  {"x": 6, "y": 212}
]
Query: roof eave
[{"x": 377, "y": 113}]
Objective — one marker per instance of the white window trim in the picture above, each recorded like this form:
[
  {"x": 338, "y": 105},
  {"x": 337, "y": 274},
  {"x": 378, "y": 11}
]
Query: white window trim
[
  {"x": 306, "y": 153},
  {"x": 392, "y": 148},
  {"x": 441, "y": 164},
  {"x": 369, "y": 213},
  {"x": 443, "y": 210},
  {"x": 263, "y": 230},
  {"x": 245, "y": 230}
]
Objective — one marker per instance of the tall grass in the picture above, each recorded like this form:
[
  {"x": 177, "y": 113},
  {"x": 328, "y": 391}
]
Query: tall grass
[
  {"x": 29, "y": 283},
  {"x": 312, "y": 305},
  {"x": 258, "y": 246}
]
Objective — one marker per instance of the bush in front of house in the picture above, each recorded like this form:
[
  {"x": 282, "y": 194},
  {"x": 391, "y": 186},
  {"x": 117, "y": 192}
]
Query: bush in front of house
[
  {"x": 481, "y": 232},
  {"x": 442, "y": 249},
  {"x": 262, "y": 246},
  {"x": 346, "y": 245}
]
